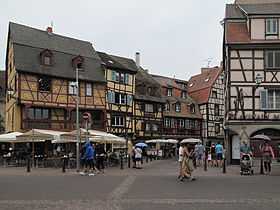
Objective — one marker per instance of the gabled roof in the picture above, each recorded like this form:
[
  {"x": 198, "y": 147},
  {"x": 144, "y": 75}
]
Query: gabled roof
[
  {"x": 29, "y": 42},
  {"x": 200, "y": 85},
  {"x": 117, "y": 62},
  {"x": 170, "y": 82},
  {"x": 234, "y": 12},
  {"x": 256, "y": 1},
  {"x": 261, "y": 9}
]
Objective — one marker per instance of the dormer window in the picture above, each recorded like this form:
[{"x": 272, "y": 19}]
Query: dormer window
[
  {"x": 271, "y": 26},
  {"x": 78, "y": 62},
  {"x": 46, "y": 57},
  {"x": 169, "y": 91},
  {"x": 192, "y": 108},
  {"x": 184, "y": 94}
]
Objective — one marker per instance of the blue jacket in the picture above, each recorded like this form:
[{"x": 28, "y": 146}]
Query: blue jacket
[{"x": 89, "y": 154}]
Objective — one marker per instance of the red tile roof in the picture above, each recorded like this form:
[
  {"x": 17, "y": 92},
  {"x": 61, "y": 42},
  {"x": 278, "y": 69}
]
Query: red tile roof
[{"x": 199, "y": 87}]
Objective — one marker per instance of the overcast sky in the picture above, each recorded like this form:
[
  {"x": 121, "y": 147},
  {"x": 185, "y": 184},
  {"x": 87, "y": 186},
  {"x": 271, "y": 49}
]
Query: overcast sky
[{"x": 174, "y": 37}]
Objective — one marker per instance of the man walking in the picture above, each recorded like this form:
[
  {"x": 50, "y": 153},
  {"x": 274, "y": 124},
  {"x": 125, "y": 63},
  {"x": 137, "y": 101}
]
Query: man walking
[
  {"x": 199, "y": 151},
  {"x": 219, "y": 153}
]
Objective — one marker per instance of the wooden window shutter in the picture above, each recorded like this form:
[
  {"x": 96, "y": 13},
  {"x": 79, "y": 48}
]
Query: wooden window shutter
[{"x": 263, "y": 99}]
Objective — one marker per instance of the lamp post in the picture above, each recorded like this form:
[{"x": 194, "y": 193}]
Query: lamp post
[
  {"x": 77, "y": 121},
  {"x": 258, "y": 81}
]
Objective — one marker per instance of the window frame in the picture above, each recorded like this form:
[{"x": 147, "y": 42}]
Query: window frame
[
  {"x": 119, "y": 121},
  {"x": 178, "y": 107},
  {"x": 274, "y": 52},
  {"x": 169, "y": 92},
  {"x": 39, "y": 85},
  {"x": 88, "y": 88},
  {"x": 270, "y": 22},
  {"x": 74, "y": 89}
]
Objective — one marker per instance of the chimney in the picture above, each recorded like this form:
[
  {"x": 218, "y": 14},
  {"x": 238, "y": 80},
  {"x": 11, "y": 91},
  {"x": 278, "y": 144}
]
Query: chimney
[
  {"x": 205, "y": 70},
  {"x": 49, "y": 30},
  {"x": 137, "y": 59}
]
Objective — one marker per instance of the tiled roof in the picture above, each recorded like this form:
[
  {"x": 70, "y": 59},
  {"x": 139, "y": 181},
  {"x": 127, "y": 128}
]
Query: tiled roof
[
  {"x": 256, "y": 1},
  {"x": 200, "y": 85},
  {"x": 261, "y": 9},
  {"x": 170, "y": 82},
  {"x": 29, "y": 42},
  {"x": 233, "y": 12},
  {"x": 117, "y": 62}
]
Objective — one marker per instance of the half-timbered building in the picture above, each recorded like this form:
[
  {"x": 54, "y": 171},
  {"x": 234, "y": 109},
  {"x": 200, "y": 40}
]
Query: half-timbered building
[
  {"x": 207, "y": 90},
  {"x": 148, "y": 107},
  {"x": 181, "y": 116},
  {"x": 252, "y": 63},
  {"x": 40, "y": 68},
  {"x": 120, "y": 76}
]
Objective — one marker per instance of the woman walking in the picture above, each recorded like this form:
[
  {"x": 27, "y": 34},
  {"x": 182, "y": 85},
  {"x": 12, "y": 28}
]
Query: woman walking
[
  {"x": 187, "y": 167},
  {"x": 268, "y": 155}
]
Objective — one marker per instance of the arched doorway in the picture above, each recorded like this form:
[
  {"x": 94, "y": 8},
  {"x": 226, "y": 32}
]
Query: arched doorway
[{"x": 274, "y": 134}]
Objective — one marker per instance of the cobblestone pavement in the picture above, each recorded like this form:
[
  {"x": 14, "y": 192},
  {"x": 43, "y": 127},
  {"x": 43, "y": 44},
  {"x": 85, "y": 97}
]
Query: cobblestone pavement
[{"x": 154, "y": 187}]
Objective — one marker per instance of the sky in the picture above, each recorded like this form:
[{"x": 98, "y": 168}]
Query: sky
[{"x": 175, "y": 38}]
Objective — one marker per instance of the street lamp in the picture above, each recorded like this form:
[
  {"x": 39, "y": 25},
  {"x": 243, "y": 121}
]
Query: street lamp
[
  {"x": 258, "y": 81},
  {"x": 77, "y": 121}
]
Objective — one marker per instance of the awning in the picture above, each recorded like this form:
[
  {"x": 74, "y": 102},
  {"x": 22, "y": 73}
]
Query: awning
[
  {"x": 39, "y": 135},
  {"x": 9, "y": 137},
  {"x": 166, "y": 141}
]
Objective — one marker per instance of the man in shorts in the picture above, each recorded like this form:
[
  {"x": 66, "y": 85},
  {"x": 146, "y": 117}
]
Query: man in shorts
[{"x": 219, "y": 153}]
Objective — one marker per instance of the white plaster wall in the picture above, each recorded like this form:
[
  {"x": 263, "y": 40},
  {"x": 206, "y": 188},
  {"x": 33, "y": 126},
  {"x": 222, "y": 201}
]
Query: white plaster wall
[
  {"x": 259, "y": 54},
  {"x": 257, "y": 29},
  {"x": 234, "y": 64},
  {"x": 259, "y": 64}
]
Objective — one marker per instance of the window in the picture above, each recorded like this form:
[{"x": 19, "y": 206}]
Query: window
[
  {"x": 181, "y": 123},
  {"x": 184, "y": 94},
  {"x": 270, "y": 99},
  {"x": 187, "y": 124},
  {"x": 72, "y": 88},
  {"x": 149, "y": 108},
  {"x": 118, "y": 121},
  {"x": 120, "y": 98},
  {"x": 272, "y": 59},
  {"x": 147, "y": 127},
  {"x": 46, "y": 57},
  {"x": 216, "y": 110},
  {"x": 88, "y": 89},
  {"x": 167, "y": 107},
  {"x": 178, "y": 107},
  {"x": 44, "y": 83},
  {"x": 214, "y": 94},
  {"x": 169, "y": 91},
  {"x": 38, "y": 114},
  {"x": 167, "y": 123},
  {"x": 192, "y": 108},
  {"x": 271, "y": 26},
  {"x": 217, "y": 128},
  {"x": 120, "y": 77},
  {"x": 155, "y": 127}
]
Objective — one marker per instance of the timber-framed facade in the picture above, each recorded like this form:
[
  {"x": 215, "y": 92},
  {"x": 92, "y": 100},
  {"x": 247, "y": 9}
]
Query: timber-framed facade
[
  {"x": 207, "y": 89},
  {"x": 41, "y": 81},
  {"x": 148, "y": 107},
  {"x": 252, "y": 64},
  {"x": 120, "y": 77},
  {"x": 181, "y": 116}
]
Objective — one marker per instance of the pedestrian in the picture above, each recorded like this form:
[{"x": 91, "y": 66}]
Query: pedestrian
[
  {"x": 267, "y": 155},
  {"x": 138, "y": 157},
  {"x": 199, "y": 152},
  {"x": 89, "y": 154},
  {"x": 133, "y": 157},
  {"x": 219, "y": 153},
  {"x": 100, "y": 156},
  {"x": 187, "y": 167},
  {"x": 213, "y": 155},
  {"x": 180, "y": 160}
]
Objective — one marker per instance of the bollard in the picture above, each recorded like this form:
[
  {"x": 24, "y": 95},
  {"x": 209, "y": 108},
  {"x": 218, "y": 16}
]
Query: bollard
[
  {"x": 128, "y": 161},
  {"x": 205, "y": 160},
  {"x": 224, "y": 166},
  {"x": 147, "y": 159},
  {"x": 63, "y": 164},
  {"x": 121, "y": 157},
  {"x": 28, "y": 165},
  {"x": 261, "y": 169}
]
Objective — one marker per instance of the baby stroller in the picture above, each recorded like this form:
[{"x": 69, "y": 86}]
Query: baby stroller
[{"x": 246, "y": 165}]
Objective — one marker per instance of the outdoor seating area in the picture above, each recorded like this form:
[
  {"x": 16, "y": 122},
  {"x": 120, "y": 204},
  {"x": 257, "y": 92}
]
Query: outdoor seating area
[{"x": 47, "y": 148}]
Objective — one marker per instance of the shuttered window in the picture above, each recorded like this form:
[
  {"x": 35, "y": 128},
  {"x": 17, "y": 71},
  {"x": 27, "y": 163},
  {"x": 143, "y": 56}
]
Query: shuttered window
[
  {"x": 272, "y": 59},
  {"x": 270, "y": 99}
]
